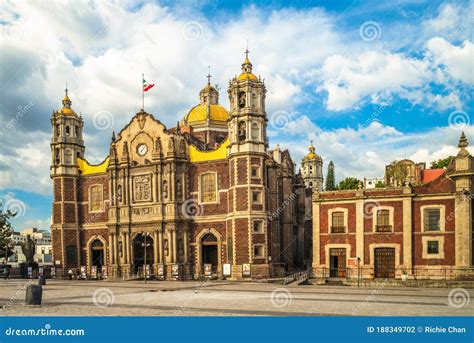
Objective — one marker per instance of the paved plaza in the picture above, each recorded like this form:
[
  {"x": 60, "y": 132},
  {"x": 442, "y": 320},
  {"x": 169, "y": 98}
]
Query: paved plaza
[{"x": 224, "y": 298}]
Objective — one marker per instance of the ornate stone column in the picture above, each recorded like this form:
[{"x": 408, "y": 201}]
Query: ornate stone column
[{"x": 155, "y": 246}]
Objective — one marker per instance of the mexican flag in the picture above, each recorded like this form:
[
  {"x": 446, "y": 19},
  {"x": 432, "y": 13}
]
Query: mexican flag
[{"x": 147, "y": 86}]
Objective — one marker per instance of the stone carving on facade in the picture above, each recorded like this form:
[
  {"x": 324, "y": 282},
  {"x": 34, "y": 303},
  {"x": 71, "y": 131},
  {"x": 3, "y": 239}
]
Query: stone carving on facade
[{"x": 142, "y": 188}]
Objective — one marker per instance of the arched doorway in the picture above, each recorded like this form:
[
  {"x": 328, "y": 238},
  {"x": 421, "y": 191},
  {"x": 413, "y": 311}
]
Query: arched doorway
[
  {"x": 97, "y": 251},
  {"x": 139, "y": 251},
  {"x": 209, "y": 251}
]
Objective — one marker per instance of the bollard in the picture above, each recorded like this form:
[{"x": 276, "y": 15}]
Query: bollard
[
  {"x": 42, "y": 280},
  {"x": 34, "y": 294}
]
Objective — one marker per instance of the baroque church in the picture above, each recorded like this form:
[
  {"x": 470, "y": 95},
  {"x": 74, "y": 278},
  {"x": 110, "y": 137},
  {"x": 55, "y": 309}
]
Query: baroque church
[{"x": 205, "y": 198}]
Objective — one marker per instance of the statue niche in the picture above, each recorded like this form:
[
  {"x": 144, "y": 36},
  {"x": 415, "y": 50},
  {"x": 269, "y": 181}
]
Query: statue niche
[{"x": 242, "y": 133}]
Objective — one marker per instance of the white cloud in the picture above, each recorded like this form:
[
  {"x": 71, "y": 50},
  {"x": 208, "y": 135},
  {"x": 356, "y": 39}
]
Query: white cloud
[{"x": 458, "y": 61}]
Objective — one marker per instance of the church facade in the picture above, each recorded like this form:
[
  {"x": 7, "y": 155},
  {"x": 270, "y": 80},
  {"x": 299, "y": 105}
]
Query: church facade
[{"x": 207, "y": 197}]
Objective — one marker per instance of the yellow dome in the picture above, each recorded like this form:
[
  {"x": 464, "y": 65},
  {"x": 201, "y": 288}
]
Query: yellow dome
[
  {"x": 311, "y": 155},
  {"x": 245, "y": 76},
  {"x": 66, "y": 111},
  {"x": 66, "y": 98},
  {"x": 199, "y": 113}
]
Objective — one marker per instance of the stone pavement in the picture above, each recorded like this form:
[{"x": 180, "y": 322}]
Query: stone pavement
[{"x": 225, "y": 298}]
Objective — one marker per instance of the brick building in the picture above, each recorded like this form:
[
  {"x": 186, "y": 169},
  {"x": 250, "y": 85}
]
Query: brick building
[
  {"x": 420, "y": 224},
  {"x": 203, "y": 194}
]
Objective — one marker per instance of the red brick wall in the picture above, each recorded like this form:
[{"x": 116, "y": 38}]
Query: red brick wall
[{"x": 241, "y": 240}]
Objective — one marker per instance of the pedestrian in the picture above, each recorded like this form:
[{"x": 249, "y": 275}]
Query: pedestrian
[
  {"x": 5, "y": 272},
  {"x": 78, "y": 274},
  {"x": 9, "y": 272},
  {"x": 70, "y": 274}
]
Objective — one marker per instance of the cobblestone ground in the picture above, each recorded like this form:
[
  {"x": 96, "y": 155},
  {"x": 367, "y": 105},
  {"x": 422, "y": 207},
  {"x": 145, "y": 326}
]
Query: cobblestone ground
[{"x": 224, "y": 298}]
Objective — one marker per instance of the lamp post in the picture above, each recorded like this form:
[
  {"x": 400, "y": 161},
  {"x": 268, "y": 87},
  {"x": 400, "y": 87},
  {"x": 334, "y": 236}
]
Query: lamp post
[
  {"x": 358, "y": 271},
  {"x": 144, "y": 244}
]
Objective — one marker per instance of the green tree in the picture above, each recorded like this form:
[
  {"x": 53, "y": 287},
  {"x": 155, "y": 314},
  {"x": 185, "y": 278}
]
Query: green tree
[
  {"x": 6, "y": 231},
  {"x": 330, "y": 178},
  {"x": 349, "y": 183},
  {"x": 380, "y": 184},
  {"x": 442, "y": 163}
]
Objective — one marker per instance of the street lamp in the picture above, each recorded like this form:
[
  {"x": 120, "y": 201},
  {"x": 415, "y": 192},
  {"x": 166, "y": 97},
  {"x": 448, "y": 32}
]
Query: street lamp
[{"x": 144, "y": 244}]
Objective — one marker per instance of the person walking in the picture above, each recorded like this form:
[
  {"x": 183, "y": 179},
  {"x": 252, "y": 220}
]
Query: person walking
[{"x": 70, "y": 274}]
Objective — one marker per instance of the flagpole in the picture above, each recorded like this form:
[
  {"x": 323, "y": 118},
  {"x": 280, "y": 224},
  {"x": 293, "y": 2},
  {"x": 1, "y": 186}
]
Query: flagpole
[{"x": 143, "y": 93}]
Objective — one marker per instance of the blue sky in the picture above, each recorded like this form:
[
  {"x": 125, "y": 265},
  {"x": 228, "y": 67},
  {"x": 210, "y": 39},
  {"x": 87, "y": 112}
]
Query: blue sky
[{"x": 368, "y": 81}]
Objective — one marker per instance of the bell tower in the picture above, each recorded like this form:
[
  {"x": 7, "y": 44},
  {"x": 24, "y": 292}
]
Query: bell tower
[
  {"x": 67, "y": 146},
  {"x": 247, "y": 154},
  {"x": 247, "y": 117}
]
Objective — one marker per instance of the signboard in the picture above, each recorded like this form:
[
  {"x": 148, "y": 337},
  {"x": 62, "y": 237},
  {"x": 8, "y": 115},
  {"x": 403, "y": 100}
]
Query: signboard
[
  {"x": 41, "y": 271},
  {"x": 352, "y": 262},
  {"x": 57, "y": 263},
  {"x": 175, "y": 270},
  {"x": 147, "y": 270},
  {"x": 83, "y": 272},
  {"x": 226, "y": 269},
  {"x": 30, "y": 272},
  {"x": 246, "y": 269},
  {"x": 94, "y": 272},
  {"x": 161, "y": 270},
  {"x": 53, "y": 271},
  {"x": 207, "y": 269}
]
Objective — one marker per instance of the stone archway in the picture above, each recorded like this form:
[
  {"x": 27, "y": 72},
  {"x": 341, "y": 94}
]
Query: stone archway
[
  {"x": 96, "y": 252},
  {"x": 138, "y": 259},
  {"x": 209, "y": 250}
]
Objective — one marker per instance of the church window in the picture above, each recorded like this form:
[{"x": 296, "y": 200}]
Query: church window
[
  {"x": 242, "y": 131},
  {"x": 258, "y": 251},
  {"x": 257, "y": 226},
  {"x": 254, "y": 172},
  {"x": 96, "y": 199},
  {"x": 255, "y": 131},
  {"x": 256, "y": 197},
  {"x": 68, "y": 131},
  {"x": 433, "y": 247},
  {"x": 383, "y": 221},
  {"x": 208, "y": 187},
  {"x": 338, "y": 222},
  {"x": 241, "y": 99},
  {"x": 432, "y": 219}
]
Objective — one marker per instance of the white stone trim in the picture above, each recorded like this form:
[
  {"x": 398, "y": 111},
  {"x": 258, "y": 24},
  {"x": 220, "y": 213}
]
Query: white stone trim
[
  {"x": 442, "y": 217},
  {"x": 328, "y": 247},
  {"x": 374, "y": 246},
  {"x": 440, "y": 240},
  {"x": 346, "y": 218},
  {"x": 390, "y": 218}
]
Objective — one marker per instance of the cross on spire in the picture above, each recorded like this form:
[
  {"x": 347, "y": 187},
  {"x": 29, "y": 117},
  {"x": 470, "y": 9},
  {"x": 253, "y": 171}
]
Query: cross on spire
[
  {"x": 66, "y": 88},
  {"x": 209, "y": 75}
]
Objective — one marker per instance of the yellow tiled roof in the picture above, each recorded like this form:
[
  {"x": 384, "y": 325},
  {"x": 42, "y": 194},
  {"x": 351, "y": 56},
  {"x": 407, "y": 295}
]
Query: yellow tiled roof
[{"x": 198, "y": 113}]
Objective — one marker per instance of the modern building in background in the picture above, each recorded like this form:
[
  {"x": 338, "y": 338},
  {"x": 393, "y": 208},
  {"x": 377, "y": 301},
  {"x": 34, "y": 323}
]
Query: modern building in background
[
  {"x": 420, "y": 224},
  {"x": 43, "y": 248},
  {"x": 204, "y": 194}
]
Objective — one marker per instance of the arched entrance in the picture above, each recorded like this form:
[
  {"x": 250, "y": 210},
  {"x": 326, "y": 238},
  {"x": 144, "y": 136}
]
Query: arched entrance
[
  {"x": 97, "y": 251},
  {"x": 209, "y": 251},
  {"x": 139, "y": 251}
]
